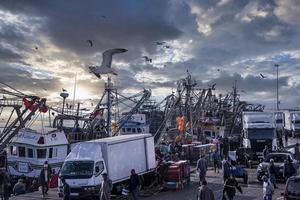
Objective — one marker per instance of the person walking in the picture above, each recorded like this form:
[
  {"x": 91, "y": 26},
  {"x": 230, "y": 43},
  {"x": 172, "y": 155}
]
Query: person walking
[
  {"x": 105, "y": 188},
  {"x": 202, "y": 168},
  {"x": 66, "y": 189},
  {"x": 288, "y": 169},
  {"x": 134, "y": 184},
  {"x": 216, "y": 160},
  {"x": 230, "y": 187},
  {"x": 272, "y": 173},
  {"x": 19, "y": 187},
  {"x": 266, "y": 151},
  {"x": 44, "y": 177},
  {"x": 268, "y": 188},
  {"x": 226, "y": 169},
  {"x": 4, "y": 184},
  {"x": 205, "y": 193}
]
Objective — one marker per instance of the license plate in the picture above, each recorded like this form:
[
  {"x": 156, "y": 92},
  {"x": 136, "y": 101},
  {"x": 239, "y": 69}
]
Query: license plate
[{"x": 74, "y": 194}]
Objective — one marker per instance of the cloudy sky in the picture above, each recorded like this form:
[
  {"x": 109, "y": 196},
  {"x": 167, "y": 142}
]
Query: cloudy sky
[{"x": 43, "y": 45}]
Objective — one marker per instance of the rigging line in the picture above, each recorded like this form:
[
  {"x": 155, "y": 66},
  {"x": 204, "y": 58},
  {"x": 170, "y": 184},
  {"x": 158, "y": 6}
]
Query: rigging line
[
  {"x": 42, "y": 121},
  {"x": 12, "y": 88},
  {"x": 33, "y": 120}
]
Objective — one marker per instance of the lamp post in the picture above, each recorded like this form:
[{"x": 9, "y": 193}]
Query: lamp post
[
  {"x": 64, "y": 95},
  {"x": 277, "y": 96}
]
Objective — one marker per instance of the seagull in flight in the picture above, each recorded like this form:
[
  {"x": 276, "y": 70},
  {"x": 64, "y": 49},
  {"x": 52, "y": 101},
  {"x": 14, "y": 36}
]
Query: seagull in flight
[
  {"x": 105, "y": 67},
  {"x": 160, "y": 43},
  {"x": 147, "y": 59},
  {"x": 167, "y": 47},
  {"x": 90, "y": 42},
  {"x": 262, "y": 75}
]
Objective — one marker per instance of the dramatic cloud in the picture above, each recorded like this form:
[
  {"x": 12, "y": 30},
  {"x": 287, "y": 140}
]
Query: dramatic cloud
[{"x": 43, "y": 46}]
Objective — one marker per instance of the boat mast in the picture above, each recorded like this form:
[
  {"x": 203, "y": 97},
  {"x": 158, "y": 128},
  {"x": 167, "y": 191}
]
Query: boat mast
[{"x": 109, "y": 105}]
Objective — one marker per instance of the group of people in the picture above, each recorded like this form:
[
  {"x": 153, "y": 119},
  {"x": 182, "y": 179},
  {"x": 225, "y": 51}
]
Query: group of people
[
  {"x": 269, "y": 180},
  {"x": 230, "y": 183}
]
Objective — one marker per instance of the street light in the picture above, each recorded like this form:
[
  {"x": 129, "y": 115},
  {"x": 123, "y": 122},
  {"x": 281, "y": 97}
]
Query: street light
[
  {"x": 64, "y": 95},
  {"x": 277, "y": 102}
]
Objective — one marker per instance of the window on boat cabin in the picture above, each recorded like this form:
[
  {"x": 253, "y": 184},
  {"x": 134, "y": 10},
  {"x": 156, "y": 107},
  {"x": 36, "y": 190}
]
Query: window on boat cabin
[
  {"x": 22, "y": 152},
  {"x": 29, "y": 153},
  {"x": 133, "y": 130},
  {"x": 41, "y": 153},
  {"x": 128, "y": 129},
  {"x": 52, "y": 152},
  {"x": 139, "y": 130},
  {"x": 13, "y": 150}
]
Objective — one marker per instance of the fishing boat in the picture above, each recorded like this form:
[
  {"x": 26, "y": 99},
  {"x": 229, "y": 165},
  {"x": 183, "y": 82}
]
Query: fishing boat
[{"x": 29, "y": 149}]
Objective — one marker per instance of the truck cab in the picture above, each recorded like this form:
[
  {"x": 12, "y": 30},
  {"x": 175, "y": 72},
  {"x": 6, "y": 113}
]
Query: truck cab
[
  {"x": 83, "y": 176},
  {"x": 258, "y": 131},
  {"x": 292, "y": 123}
]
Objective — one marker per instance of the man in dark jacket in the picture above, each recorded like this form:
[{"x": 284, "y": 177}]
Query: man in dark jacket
[
  {"x": 66, "y": 189},
  {"x": 226, "y": 169},
  {"x": 134, "y": 184},
  {"x": 288, "y": 169},
  {"x": 44, "y": 177},
  {"x": 272, "y": 173},
  {"x": 230, "y": 187},
  {"x": 266, "y": 151},
  {"x": 205, "y": 193}
]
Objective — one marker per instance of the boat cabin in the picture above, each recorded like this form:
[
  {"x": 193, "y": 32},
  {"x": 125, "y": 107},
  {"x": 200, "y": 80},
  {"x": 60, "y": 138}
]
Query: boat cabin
[{"x": 29, "y": 149}]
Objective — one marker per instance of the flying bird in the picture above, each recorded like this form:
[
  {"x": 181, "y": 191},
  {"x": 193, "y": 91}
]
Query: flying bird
[
  {"x": 64, "y": 90},
  {"x": 36, "y": 47},
  {"x": 147, "y": 59},
  {"x": 213, "y": 86},
  {"x": 167, "y": 47},
  {"x": 160, "y": 43},
  {"x": 90, "y": 42},
  {"x": 262, "y": 75},
  {"x": 218, "y": 70},
  {"x": 105, "y": 67}
]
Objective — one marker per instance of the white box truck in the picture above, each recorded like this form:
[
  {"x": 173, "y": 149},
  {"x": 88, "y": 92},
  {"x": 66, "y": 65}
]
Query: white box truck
[
  {"x": 115, "y": 156},
  {"x": 259, "y": 130},
  {"x": 292, "y": 123}
]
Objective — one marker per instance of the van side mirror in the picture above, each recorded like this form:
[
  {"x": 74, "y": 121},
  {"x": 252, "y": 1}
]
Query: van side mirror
[{"x": 97, "y": 169}]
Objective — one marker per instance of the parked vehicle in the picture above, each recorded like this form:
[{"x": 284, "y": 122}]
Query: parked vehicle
[
  {"x": 259, "y": 130},
  {"x": 292, "y": 123},
  {"x": 279, "y": 159},
  {"x": 115, "y": 156},
  {"x": 292, "y": 188}
]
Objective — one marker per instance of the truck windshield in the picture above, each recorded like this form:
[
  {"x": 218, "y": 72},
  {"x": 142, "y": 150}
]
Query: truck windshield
[
  {"x": 263, "y": 133},
  {"x": 77, "y": 169}
]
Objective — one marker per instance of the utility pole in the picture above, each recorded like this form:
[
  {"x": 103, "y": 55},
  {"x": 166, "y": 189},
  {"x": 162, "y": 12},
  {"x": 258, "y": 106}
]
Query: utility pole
[{"x": 277, "y": 96}]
